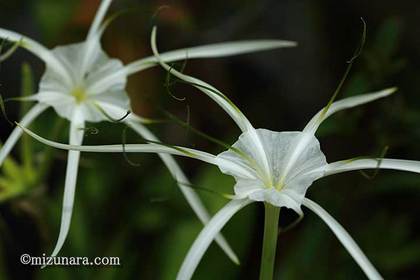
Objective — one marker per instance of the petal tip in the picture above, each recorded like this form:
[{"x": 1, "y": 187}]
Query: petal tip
[{"x": 391, "y": 90}]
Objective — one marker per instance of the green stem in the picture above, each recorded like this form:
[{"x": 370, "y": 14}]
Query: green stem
[{"x": 269, "y": 242}]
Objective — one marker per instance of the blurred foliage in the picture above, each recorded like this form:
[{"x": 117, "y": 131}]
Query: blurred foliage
[
  {"x": 53, "y": 15},
  {"x": 138, "y": 213}
]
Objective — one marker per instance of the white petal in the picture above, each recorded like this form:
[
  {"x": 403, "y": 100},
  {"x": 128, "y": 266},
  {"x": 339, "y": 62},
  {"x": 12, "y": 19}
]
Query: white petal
[
  {"x": 209, "y": 51},
  {"x": 217, "y": 96},
  {"x": 93, "y": 38},
  {"x": 253, "y": 190},
  {"x": 113, "y": 109},
  {"x": 72, "y": 56},
  {"x": 278, "y": 146},
  {"x": 90, "y": 54},
  {"x": 261, "y": 153},
  {"x": 99, "y": 17},
  {"x": 206, "y": 236},
  {"x": 76, "y": 137},
  {"x": 345, "y": 103},
  {"x": 139, "y": 148},
  {"x": 209, "y": 90},
  {"x": 183, "y": 183},
  {"x": 345, "y": 239},
  {"x": 63, "y": 104},
  {"x": 106, "y": 75},
  {"x": 359, "y": 164},
  {"x": 39, "y": 50},
  {"x": 111, "y": 90},
  {"x": 283, "y": 198},
  {"x": 244, "y": 188},
  {"x": 31, "y": 115}
]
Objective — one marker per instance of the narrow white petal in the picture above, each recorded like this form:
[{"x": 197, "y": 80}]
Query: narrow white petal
[
  {"x": 92, "y": 48},
  {"x": 76, "y": 137},
  {"x": 61, "y": 103},
  {"x": 113, "y": 110},
  {"x": 183, "y": 183},
  {"x": 359, "y": 164},
  {"x": 206, "y": 236},
  {"x": 31, "y": 115},
  {"x": 209, "y": 90},
  {"x": 304, "y": 143},
  {"x": 345, "y": 239},
  {"x": 145, "y": 148},
  {"x": 345, "y": 103},
  {"x": 209, "y": 51},
  {"x": 260, "y": 152},
  {"x": 39, "y": 50},
  {"x": 99, "y": 17},
  {"x": 218, "y": 96}
]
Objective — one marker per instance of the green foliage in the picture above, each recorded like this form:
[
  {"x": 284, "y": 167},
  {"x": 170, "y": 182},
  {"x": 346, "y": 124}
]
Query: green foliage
[{"x": 53, "y": 15}]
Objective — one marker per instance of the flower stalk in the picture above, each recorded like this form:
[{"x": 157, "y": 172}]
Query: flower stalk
[{"x": 268, "y": 257}]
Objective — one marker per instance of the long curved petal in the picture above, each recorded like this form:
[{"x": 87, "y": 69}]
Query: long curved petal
[
  {"x": 99, "y": 17},
  {"x": 207, "y": 235},
  {"x": 209, "y": 51},
  {"x": 206, "y": 51},
  {"x": 209, "y": 90},
  {"x": 223, "y": 101},
  {"x": 382, "y": 163},
  {"x": 39, "y": 50},
  {"x": 312, "y": 126},
  {"x": 32, "y": 114},
  {"x": 345, "y": 239},
  {"x": 148, "y": 148},
  {"x": 76, "y": 137},
  {"x": 92, "y": 44},
  {"x": 190, "y": 195},
  {"x": 345, "y": 103}
]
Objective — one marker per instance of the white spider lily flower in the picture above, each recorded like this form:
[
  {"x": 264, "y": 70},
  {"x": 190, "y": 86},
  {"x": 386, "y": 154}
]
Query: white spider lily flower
[
  {"x": 82, "y": 84},
  {"x": 272, "y": 167}
]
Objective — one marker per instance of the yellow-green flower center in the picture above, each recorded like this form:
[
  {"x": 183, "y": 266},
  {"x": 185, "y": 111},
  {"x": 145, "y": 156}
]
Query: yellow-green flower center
[{"x": 79, "y": 94}]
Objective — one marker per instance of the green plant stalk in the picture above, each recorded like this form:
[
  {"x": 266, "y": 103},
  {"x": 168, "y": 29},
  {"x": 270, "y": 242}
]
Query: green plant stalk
[
  {"x": 26, "y": 146},
  {"x": 271, "y": 219}
]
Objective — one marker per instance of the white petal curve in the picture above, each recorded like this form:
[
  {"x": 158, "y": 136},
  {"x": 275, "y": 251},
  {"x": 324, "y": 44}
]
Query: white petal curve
[
  {"x": 345, "y": 103},
  {"x": 207, "y": 235},
  {"x": 39, "y": 50},
  {"x": 140, "y": 148},
  {"x": 277, "y": 146},
  {"x": 63, "y": 104},
  {"x": 100, "y": 65},
  {"x": 76, "y": 138},
  {"x": 209, "y": 90},
  {"x": 190, "y": 195},
  {"x": 30, "y": 116},
  {"x": 285, "y": 198},
  {"x": 381, "y": 163},
  {"x": 93, "y": 38},
  {"x": 99, "y": 17},
  {"x": 345, "y": 239},
  {"x": 209, "y": 51}
]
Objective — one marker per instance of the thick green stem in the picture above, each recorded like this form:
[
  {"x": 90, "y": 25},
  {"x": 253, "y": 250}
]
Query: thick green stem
[{"x": 269, "y": 242}]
